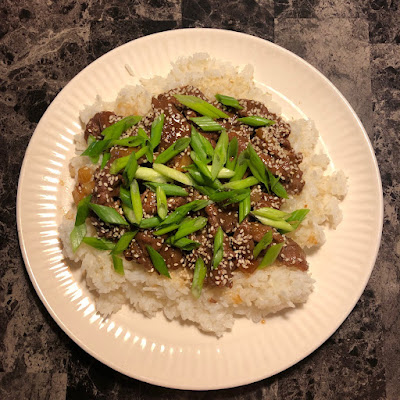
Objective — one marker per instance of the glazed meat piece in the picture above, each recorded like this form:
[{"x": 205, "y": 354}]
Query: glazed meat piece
[
  {"x": 293, "y": 255},
  {"x": 243, "y": 244},
  {"x": 99, "y": 122},
  {"x": 260, "y": 199},
  {"x": 226, "y": 218},
  {"x": 106, "y": 186},
  {"x": 173, "y": 256},
  {"x": 149, "y": 202}
]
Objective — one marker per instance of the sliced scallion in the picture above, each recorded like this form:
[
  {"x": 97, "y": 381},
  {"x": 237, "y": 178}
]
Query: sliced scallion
[
  {"x": 256, "y": 121},
  {"x": 272, "y": 213},
  {"x": 162, "y": 205},
  {"x": 156, "y": 131},
  {"x": 240, "y": 167},
  {"x": 202, "y": 166},
  {"x": 201, "y": 106},
  {"x": 118, "y": 265},
  {"x": 296, "y": 217},
  {"x": 271, "y": 255},
  {"x": 200, "y": 271},
  {"x": 207, "y": 124},
  {"x": 125, "y": 196},
  {"x": 169, "y": 189},
  {"x": 248, "y": 182},
  {"x": 278, "y": 224},
  {"x": 189, "y": 226},
  {"x": 130, "y": 169},
  {"x": 262, "y": 244},
  {"x": 232, "y": 154},
  {"x": 218, "y": 248},
  {"x": 244, "y": 208},
  {"x": 197, "y": 145},
  {"x": 184, "y": 244},
  {"x": 173, "y": 150},
  {"x": 105, "y": 159},
  {"x": 77, "y": 235},
  {"x": 220, "y": 153},
  {"x": 228, "y": 101},
  {"x": 173, "y": 174},
  {"x": 123, "y": 242},
  {"x": 148, "y": 223},
  {"x": 136, "y": 201},
  {"x": 99, "y": 244},
  {"x": 165, "y": 230},
  {"x": 149, "y": 174},
  {"x": 108, "y": 214},
  {"x": 158, "y": 261}
]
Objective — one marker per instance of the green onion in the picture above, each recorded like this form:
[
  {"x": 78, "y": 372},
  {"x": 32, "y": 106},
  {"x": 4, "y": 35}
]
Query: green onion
[
  {"x": 228, "y": 195},
  {"x": 279, "y": 190},
  {"x": 95, "y": 159},
  {"x": 129, "y": 214},
  {"x": 248, "y": 182},
  {"x": 136, "y": 201},
  {"x": 296, "y": 217},
  {"x": 156, "y": 131},
  {"x": 256, "y": 121},
  {"x": 162, "y": 205},
  {"x": 173, "y": 150},
  {"x": 149, "y": 223},
  {"x": 271, "y": 255},
  {"x": 241, "y": 167},
  {"x": 158, "y": 262},
  {"x": 125, "y": 196},
  {"x": 278, "y": 224},
  {"x": 118, "y": 265},
  {"x": 149, "y": 174},
  {"x": 271, "y": 213},
  {"x": 123, "y": 242},
  {"x": 105, "y": 159},
  {"x": 201, "y": 179},
  {"x": 231, "y": 157},
  {"x": 99, "y": 244},
  {"x": 220, "y": 152},
  {"x": 82, "y": 211},
  {"x": 206, "y": 145},
  {"x": 205, "y": 190},
  {"x": 165, "y": 230},
  {"x": 76, "y": 236},
  {"x": 119, "y": 164},
  {"x": 130, "y": 169},
  {"x": 200, "y": 271},
  {"x": 256, "y": 166},
  {"x": 108, "y": 214},
  {"x": 79, "y": 230},
  {"x": 95, "y": 149},
  {"x": 238, "y": 197},
  {"x": 244, "y": 208},
  {"x": 206, "y": 124},
  {"x": 224, "y": 173},
  {"x": 130, "y": 141},
  {"x": 228, "y": 101},
  {"x": 113, "y": 132},
  {"x": 180, "y": 213},
  {"x": 173, "y": 174},
  {"x": 201, "y": 106},
  {"x": 184, "y": 244},
  {"x": 262, "y": 244},
  {"x": 218, "y": 247},
  {"x": 170, "y": 190},
  {"x": 189, "y": 226},
  {"x": 145, "y": 150},
  {"x": 202, "y": 166},
  {"x": 197, "y": 145}
]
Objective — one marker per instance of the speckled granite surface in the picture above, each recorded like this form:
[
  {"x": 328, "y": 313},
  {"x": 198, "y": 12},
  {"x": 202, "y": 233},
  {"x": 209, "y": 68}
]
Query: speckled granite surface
[{"x": 355, "y": 43}]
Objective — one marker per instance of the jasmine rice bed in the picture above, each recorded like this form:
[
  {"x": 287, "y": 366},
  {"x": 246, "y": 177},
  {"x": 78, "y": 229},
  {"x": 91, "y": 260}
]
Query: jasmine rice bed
[{"x": 252, "y": 295}]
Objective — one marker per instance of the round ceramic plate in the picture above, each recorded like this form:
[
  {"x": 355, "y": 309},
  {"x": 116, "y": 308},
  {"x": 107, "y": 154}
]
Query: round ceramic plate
[{"x": 168, "y": 353}]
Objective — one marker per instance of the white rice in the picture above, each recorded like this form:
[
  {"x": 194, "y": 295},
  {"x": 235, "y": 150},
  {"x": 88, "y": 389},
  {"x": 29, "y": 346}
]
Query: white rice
[{"x": 254, "y": 296}]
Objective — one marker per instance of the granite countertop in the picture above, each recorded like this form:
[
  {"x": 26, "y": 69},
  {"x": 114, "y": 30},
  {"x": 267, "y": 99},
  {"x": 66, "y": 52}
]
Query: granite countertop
[{"x": 44, "y": 44}]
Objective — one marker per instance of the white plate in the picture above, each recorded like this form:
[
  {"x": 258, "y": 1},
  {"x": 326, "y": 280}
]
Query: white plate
[{"x": 167, "y": 353}]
